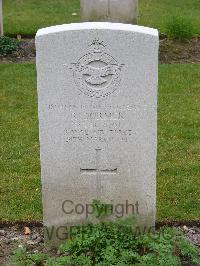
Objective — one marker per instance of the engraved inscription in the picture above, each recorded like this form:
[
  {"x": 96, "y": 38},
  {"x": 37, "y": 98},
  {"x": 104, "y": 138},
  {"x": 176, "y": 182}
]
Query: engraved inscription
[
  {"x": 70, "y": 107},
  {"x": 96, "y": 123},
  {"x": 97, "y": 74},
  {"x": 96, "y": 115},
  {"x": 100, "y": 135}
]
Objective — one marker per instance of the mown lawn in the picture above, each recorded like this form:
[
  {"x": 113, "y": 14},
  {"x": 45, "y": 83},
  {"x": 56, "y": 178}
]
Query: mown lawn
[
  {"x": 178, "y": 150},
  {"x": 158, "y": 13},
  {"x": 26, "y": 16}
]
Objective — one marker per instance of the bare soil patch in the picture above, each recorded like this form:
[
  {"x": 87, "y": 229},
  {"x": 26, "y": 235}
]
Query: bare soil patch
[
  {"x": 177, "y": 52},
  {"x": 171, "y": 52}
]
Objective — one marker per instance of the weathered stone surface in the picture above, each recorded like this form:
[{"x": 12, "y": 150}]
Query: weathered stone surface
[
  {"x": 97, "y": 92},
  {"x": 125, "y": 11}
]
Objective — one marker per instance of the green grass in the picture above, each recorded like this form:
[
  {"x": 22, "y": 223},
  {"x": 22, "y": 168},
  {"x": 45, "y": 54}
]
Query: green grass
[
  {"x": 178, "y": 150},
  {"x": 26, "y": 16},
  {"x": 179, "y": 142},
  {"x": 19, "y": 169},
  {"x": 157, "y": 13}
]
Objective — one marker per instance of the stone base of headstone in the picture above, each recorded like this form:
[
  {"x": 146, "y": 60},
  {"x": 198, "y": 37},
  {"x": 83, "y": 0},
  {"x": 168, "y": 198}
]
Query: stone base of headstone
[{"x": 54, "y": 235}]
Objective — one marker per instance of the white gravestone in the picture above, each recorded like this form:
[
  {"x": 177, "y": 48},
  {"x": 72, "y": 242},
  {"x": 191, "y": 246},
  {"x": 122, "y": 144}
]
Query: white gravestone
[
  {"x": 1, "y": 17},
  {"x": 97, "y": 92},
  {"x": 125, "y": 11}
]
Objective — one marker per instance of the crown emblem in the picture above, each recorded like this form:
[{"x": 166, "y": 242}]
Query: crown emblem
[{"x": 97, "y": 46}]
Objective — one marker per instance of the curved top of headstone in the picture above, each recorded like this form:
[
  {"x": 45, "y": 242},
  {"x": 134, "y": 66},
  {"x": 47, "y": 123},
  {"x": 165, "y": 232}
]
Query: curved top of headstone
[{"x": 98, "y": 26}]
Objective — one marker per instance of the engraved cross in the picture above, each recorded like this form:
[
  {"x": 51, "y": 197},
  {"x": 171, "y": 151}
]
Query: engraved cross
[{"x": 98, "y": 171}]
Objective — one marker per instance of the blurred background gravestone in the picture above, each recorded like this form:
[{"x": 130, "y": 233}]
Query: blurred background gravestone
[
  {"x": 1, "y": 17},
  {"x": 124, "y": 11}
]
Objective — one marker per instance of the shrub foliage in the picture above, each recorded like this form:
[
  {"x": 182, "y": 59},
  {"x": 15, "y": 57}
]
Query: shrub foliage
[
  {"x": 109, "y": 243},
  {"x": 8, "y": 45}
]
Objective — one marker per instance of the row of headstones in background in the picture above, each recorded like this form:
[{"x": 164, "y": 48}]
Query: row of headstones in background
[
  {"x": 1, "y": 17},
  {"x": 125, "y": 11},
  {"x": 97, "y": 93}
]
